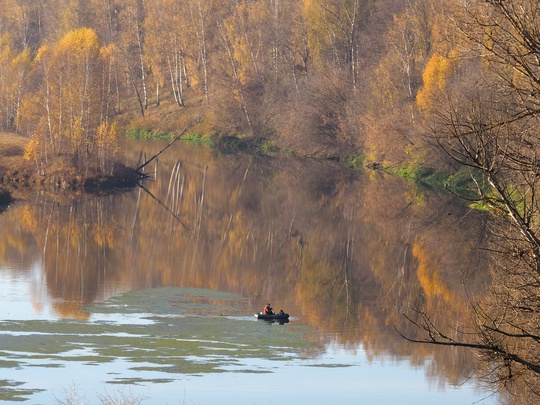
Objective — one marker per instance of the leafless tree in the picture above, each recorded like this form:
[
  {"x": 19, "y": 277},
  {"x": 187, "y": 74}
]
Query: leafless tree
[{"x": 494, "y": 133}]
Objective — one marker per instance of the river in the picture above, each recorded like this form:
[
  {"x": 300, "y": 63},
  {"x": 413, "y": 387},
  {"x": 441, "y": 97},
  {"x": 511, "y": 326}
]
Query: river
[{"x": 148, "y": 295}]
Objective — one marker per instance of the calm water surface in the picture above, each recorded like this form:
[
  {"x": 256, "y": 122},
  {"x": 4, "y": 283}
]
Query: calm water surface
[{"x": 149, "y": 294}]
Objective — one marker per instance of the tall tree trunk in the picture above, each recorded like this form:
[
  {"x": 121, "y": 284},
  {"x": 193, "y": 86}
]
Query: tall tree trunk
[
  {"x": 142, "y": 67},
  {"x": 199, "y": 27}
]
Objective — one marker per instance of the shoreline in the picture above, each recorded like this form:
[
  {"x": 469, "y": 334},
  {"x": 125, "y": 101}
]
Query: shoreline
[{"x": 16, "y": 172}]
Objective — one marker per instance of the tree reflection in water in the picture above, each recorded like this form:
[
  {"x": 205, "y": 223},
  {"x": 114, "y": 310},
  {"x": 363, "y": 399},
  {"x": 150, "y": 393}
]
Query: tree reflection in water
[{"x": 346, "y": 253}]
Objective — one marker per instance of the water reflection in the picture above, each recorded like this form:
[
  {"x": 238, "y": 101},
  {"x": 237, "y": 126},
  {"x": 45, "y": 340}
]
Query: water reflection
[{"x": 342, "y": 252}]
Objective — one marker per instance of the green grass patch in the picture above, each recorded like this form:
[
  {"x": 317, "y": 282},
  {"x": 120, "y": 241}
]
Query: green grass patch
[
  {"x": 268, "y": 148},
  {"x": 420, "y": 175},
  {"x": 355, "y": 162},
  {"x": 481, "y": 206},
  {"x": 463, "y": 183},
  {"x": 145, "y": 134},
  {"x": 198, "y": 139},
  {"x": 139, "y": 133}
]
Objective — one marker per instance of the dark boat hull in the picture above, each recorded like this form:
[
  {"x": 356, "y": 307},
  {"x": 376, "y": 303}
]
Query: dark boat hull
[{"x": 274, "y": 317}]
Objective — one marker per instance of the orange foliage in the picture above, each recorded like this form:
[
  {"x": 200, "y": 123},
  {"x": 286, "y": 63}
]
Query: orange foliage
[{"x": 436, "y": 74}]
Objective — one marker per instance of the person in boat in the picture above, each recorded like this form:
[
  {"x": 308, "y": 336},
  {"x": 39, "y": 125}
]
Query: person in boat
[
  {"x": 268, "y": 310},
  {"x": 281, "y": 312}
]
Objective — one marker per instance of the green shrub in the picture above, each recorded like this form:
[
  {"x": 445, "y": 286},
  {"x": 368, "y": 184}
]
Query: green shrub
[
  {"x": 355, "y": 162},
  {"x": 430, "y": 178},
  {"x": 465, "y": 182},
  {"x": 268, "y": 148},
  {"x": 139, "y": 133},
  {"x": 197, "y": 139}
]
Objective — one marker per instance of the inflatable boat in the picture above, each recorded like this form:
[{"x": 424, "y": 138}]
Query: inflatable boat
[{"x": 273, "y": 317}]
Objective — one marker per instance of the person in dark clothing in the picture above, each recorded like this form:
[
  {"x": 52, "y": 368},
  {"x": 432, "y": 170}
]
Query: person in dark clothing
[{"x": 268, "y": 310}]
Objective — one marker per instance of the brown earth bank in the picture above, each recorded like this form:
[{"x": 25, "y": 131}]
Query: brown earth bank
[{"x": 16, "y": 172}]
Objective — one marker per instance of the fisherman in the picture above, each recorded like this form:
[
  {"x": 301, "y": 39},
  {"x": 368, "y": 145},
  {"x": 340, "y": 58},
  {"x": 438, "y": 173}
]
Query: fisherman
[{"x": 268, "y": 310}]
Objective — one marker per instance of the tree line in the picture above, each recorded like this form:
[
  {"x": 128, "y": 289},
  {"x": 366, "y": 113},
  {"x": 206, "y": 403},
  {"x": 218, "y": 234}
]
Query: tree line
[{"x": 314, "y": 76}]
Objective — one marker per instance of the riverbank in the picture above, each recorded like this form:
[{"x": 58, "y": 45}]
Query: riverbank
[{"x": 17, "y": 172}]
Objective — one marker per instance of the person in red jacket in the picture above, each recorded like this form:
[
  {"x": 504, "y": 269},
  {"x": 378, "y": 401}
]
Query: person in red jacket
[{"x": 268, "y": 310}]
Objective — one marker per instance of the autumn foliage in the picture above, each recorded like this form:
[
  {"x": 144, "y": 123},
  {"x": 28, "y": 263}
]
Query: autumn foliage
[
  {"x": 302, "y": 75},
  {"x": 67, "y": 114},
  {"x": 435, "y": 76}
]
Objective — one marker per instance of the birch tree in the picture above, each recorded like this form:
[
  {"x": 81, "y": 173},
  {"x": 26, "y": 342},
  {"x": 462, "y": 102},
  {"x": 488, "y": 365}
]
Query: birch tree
[
  {"x": 64, "y": 115},
  {"x": 23, "y": 21},
  {"x": 334, "y": 27},
  {"x": 200, "y": 14},
  {"x": 132, "y": 46},
  {"x": 14, "y": 69}
]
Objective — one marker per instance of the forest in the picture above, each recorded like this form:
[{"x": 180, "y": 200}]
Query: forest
[
  {"x": 396, "y": 84},
  {"x": 336, "y": 78}
]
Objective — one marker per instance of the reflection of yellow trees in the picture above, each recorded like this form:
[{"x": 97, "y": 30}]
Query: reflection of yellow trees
[
  {"x": 304, "y": 236},
  {"x": 11, "y": 241},
  {"x": 71, "y": 310},
  {"x": 428, "y": 277},
  {"x": 317, "y": 280},
  {"x": 28, "y": 218},
  {"x": 103, "y": 236}
]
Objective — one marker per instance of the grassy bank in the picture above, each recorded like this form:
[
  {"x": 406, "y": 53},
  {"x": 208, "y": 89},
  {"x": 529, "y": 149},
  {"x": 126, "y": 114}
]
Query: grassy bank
[{"x": 462, "y": 183}]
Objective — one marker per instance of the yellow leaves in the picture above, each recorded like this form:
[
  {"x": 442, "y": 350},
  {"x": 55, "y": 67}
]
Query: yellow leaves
[
  {"x": 76, "y": 134},
  {"x": 5, "y": 50},
  {"x": 108, "y": 51},
  {"x": 22, "y": 61},
  {"x": 77, "y": 51},
  {"x": 35, "y": 149},
  {"x": 82, "y": 40},
  {"x": 317, "y": 28},
  {"x": 5, "y": 40},
  {"x": 332, "y": 29},
  {"x": 435, "y": 77},
  {"x": 243, "y": 32},
  {"x": 107, "y": 135},
  {"x": 31, "y": 149},
  {"x": 42, "y": 53},
  {"x": 106, "y": 141},
  {"x": 66, "y": 111},
  {"x": 308, "y": 6}
]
